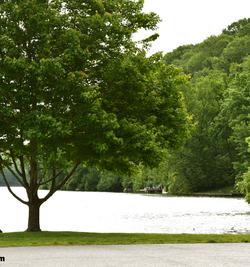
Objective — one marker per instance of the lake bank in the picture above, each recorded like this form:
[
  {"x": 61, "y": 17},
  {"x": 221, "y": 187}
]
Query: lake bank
[{"x": 208, "y": 194}]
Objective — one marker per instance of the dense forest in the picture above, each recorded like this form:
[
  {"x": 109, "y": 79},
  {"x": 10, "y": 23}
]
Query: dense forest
[
  {"x": 217, "y": 95},
  {"x": 218, "y": 99}
]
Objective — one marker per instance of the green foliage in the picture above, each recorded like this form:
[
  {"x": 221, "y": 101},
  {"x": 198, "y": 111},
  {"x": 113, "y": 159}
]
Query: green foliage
[
  {"x": 178, "y": 185},
  {"x": 244, "y": 184},
  {"x": 235, "y": 112},
  {"x": 110, "y": 183},
  {"x": 237, "y": 49},
  {"x": 71, "y": 83},
  {"x": 215, "y": 154},
  {"x": 85, "y": 179},
  {"x": 241, "y": 27},
  {"x": 92, "y": 179},
  {"x": 75, "y": 88}
]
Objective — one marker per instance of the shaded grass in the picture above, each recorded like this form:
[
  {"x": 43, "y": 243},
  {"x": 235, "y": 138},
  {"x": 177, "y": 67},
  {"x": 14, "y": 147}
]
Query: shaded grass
[{"x": 77, "y": 238}]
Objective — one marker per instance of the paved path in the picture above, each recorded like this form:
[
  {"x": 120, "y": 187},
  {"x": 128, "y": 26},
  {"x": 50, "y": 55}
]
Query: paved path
[{"x": 196, "y": 255}]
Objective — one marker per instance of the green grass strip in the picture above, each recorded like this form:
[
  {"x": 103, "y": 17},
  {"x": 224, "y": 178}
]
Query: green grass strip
[{"x": 77, "y": 238}]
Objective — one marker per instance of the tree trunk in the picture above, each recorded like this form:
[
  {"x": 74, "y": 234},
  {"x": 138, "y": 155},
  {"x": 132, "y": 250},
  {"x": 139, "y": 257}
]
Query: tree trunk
[
  {"x": 32, "y": 191},
  {"x": 34, "y": 218}
]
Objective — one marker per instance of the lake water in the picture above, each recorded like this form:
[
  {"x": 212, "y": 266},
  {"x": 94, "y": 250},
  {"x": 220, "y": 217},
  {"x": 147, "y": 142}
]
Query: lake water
[{"x": 134, "y": 213}]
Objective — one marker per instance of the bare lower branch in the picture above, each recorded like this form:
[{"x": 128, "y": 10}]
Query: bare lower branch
[
  {"x": 42, "y": 175},
  {"x": 49, "y": 180},
  {"x": 65, "y": 180},
  {"x": 15, "y": 165},
  {"x": 22, "y": 166},
  {"x": 18, "y": 173},
  {"x": 23, "y": 170},
  {"x": 10, "y": 190},
  {"x": 16, "y": 176},
  {"x": 55, "y": 187}
]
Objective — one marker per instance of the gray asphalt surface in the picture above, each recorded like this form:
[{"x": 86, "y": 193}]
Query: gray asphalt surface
[{"x": 133, "y": 255}]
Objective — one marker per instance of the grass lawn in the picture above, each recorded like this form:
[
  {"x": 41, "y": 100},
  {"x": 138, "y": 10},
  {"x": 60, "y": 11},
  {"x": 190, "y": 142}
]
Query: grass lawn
[{"x": 76, "y": 238}]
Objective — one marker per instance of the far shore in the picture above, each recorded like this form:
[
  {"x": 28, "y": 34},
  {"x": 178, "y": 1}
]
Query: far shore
[{"x": 218, "y": 193}]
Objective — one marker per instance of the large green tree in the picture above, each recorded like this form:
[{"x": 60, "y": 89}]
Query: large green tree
[{"x": 75, "y": 88}]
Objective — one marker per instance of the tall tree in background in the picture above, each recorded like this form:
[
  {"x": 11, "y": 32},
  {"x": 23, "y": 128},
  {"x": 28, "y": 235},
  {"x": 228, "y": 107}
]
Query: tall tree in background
[
  {"x": 215, "y": 155},
  {"x": 235, "y": 114},
  {"x": 75, "y": 88}
]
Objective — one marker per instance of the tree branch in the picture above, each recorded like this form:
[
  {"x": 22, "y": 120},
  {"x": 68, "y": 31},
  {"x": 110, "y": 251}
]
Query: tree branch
[
  {"x": 22, "y": 173},
  {"x": 10, "y": 190},
  {"x": 15, "y": 165},
  {"x": 54, "y": 188},
  {"x": 51, "y": 179},
  {"x": 65, "y": 180},
  {"x": 16, "y": 176},
  {"x": 23, "y": 170}
]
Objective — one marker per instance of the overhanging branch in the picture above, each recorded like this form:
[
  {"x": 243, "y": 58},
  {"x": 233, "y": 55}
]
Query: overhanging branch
[
  {"x": 15, "y": 165},
  {"x": 65, "y": 180},
  {"x": 20, "y": 175},
  {"x": 23, "y": 171},
  {"x": 10, "y": 190},
  {"x": 49, "y": 180},
  {"x": 16, "y": 176},
  {"x": 55, "y": 187}
]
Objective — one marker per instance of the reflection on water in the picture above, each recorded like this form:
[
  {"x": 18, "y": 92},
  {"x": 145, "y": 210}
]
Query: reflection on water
[{"x": 117, "y": 212}]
